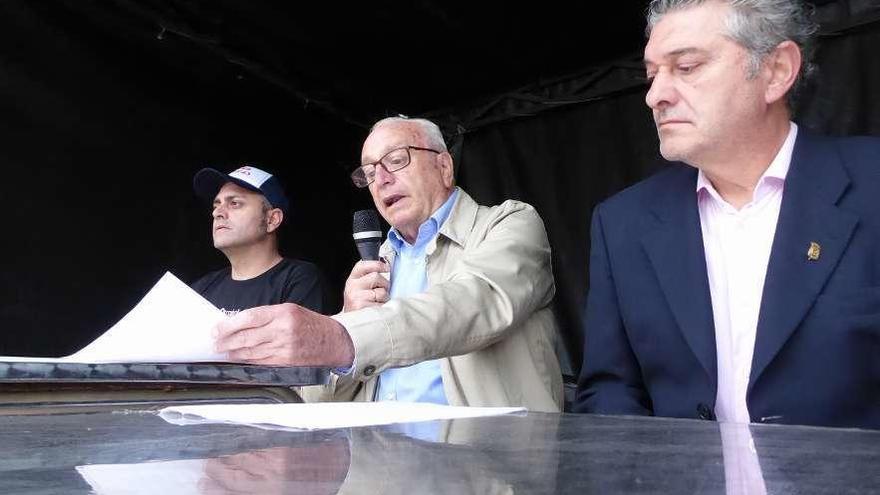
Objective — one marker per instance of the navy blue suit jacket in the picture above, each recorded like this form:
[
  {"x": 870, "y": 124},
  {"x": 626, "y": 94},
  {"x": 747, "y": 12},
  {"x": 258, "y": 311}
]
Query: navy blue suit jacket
[{"x": 649, "y": 333}]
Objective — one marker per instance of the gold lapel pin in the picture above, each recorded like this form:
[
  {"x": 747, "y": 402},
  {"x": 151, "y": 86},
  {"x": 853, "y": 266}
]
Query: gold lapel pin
[{"x": 814, "y": 251}]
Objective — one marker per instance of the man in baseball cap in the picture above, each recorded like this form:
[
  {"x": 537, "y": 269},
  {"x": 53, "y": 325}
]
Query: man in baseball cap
[{"x": 249, "y": 205}]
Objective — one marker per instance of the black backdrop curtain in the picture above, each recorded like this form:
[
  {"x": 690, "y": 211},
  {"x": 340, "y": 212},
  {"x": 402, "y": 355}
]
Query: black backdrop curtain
[
  {"x": 566, "y": 160},
  {"x": 102, "y": 128}
]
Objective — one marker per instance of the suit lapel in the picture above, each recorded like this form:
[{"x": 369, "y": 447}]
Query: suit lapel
[
  {"x": 815, "y": 182},
  {"x": 674, "y": 244}
]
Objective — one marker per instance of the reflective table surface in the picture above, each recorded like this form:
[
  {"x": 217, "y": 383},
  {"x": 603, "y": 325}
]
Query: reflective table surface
[{"x": 128, "y": 451}]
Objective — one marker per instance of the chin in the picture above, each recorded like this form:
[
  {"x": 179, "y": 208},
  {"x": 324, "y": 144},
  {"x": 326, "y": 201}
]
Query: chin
[
  {"x": 672, "y": 151},
  {"x": 395, "y": 218},
  {"x": 222, "y": 243}
]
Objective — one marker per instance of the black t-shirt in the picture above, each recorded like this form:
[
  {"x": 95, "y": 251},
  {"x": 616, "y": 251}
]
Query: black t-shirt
[{"x": 290, "y": 280}]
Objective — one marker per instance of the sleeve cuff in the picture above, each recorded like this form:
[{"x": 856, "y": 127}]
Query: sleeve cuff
[{"x": 371, "y": 340}]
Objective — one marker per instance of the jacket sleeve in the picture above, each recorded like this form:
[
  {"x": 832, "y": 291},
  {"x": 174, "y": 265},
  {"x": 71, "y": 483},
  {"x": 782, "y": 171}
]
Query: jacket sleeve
[
  {"x": 611, "y": 379},
  {"x": 499, "y": 279}
]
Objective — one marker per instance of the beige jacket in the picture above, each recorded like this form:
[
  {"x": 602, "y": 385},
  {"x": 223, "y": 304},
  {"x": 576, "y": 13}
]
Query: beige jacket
[{"x": 486, "y": 314}]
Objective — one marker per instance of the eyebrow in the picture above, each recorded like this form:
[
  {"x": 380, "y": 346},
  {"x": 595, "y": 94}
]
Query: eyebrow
[
  {"x": 679, "y": 52},
  {"x": 385, "y": 151},
  {"x": 226, "y": 198}
]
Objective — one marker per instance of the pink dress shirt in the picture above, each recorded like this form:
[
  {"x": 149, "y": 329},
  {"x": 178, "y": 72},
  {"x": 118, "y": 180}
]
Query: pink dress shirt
[{"x": 737, "y": 244}]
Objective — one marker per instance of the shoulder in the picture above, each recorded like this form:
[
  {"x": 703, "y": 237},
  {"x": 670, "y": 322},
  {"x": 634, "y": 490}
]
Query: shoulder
[
  {"x": 859, "y": 157},
  {"x": 302, "y": 283},
  {"x": 675, "y": 179},
  {"x": 483, "y": 214},
  {"x": 514, "y": 216},
  {"x": 471, "y": 223},
  {"x": 514, "y": 208},
  {"x": 854, "y": 151},
  {"x": 210, "y": 279},
  {"x": 859, "y": 152},
  {"x": 299, "y": 269},
  {"x": 858, "y": 145}
]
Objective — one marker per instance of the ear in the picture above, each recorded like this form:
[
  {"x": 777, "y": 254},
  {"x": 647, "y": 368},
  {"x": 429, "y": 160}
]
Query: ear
[
  {"x": 782, "y": 68},
  {"x": 274, "y": 217},
  {"x": 447, "y": 172}
]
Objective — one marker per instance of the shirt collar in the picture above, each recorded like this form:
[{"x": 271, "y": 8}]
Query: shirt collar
[
  {"x": 428, "y": 229},
  {"x": 774, "y": 175}
]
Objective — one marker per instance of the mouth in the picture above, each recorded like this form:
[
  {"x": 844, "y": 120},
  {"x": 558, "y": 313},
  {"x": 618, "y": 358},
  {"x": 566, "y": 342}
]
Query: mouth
[
  {"x": 663, "y": 123},
  {"x": 220, "y": 227},
  {"x": 391, "y": 200}
]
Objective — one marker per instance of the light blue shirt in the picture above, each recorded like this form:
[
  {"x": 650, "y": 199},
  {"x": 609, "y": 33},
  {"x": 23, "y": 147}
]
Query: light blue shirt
[{"x": 420, "y": 382}]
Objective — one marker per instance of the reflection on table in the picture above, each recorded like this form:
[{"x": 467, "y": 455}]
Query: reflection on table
[{"x": 535, "y": 453}]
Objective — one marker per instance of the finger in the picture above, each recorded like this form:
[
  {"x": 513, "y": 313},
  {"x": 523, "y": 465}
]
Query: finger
[
  {"x": 362, "y": 268},
  {"x": 359, "y": 299},
  {"x": 225, "y": 478},
  {"x": 249, "y": 318},
  {"x": 381, "y": 294},
  {"x": 357, "y": 284},
  {"x": 367, "y": 297},
  {"x": 243, "y": 339},
  {"x": 259, "y": 352},
  {"x": 210, "y": 486},
  {"x": 367, "y": 282},
  {"x": 379, "y": 281},
  {"x": 214, "y": 481}
]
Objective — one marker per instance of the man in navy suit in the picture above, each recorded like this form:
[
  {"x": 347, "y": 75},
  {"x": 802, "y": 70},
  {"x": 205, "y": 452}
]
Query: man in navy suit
[{"x": 743, "y": 282}]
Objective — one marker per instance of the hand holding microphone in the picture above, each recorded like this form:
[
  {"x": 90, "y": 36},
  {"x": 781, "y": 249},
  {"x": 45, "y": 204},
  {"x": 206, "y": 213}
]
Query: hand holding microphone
[{"x": 366, "y": 286}]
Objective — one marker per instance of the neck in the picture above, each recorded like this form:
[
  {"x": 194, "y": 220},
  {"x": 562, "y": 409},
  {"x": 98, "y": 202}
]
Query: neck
[
  {"x": 735, "y": 174},
  {"x": 251, "y": 261}
]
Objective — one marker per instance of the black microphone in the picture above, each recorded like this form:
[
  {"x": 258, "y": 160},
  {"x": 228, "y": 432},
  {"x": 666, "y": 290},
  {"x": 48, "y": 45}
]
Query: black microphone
[{"x": 367, "y": 233}]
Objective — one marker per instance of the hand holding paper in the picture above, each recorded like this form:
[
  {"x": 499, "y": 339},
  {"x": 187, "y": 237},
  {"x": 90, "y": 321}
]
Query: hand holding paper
[{"x": 285, "y": 334}]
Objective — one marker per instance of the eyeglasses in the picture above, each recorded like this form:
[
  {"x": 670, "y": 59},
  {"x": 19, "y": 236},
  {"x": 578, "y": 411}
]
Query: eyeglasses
[{"x": 393, "y": 161}]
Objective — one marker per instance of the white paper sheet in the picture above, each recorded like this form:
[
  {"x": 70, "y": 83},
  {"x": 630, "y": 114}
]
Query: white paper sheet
[
  {"x": 317, "y": 416},
  {"x": 179, "y": 477},
  {"x": 171, "y": 324}
]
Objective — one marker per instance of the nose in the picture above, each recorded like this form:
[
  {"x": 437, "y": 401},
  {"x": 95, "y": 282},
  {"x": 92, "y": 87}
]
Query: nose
[
  {"x": 662, "y": 93},
  {"x": 219, "y": 211},
  {"x": 383, "y": 176}
]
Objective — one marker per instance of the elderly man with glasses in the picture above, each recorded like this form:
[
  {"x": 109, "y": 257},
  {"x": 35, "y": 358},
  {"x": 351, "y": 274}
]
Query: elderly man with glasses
[{"x": 458, "y": 310}]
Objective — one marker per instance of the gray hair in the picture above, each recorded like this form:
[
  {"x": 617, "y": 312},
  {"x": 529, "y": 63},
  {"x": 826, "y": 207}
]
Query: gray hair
[
  {"x": 429, "y": 130},
  {"x": 759, "y": 26}
]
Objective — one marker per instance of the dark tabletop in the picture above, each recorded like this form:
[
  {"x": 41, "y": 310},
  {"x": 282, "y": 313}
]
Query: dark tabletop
[
  {"x": 204, "y": 373},
  {"x": 138, "y": 452}
]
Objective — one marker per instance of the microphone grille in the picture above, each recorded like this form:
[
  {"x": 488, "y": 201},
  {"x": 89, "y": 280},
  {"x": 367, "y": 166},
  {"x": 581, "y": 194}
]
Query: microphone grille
[{"x": 366, "y": 221}]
